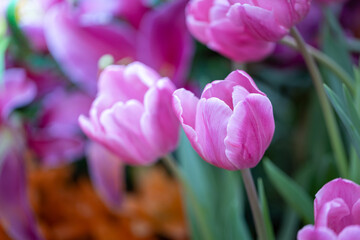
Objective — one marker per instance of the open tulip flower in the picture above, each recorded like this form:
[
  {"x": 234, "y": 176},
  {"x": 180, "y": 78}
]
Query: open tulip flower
[
  {"x": 132, "y": 115},
  {"x": 231, "y": 125},
  {"x": 337, "y": 212}
]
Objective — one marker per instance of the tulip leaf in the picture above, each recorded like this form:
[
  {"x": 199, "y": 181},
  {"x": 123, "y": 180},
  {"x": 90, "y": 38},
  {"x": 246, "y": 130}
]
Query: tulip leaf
[
  {"x": 214, "y": 195},
  {"x": 355, "y": 159},
  {"x": 17, "y": 34},
  {"x": 265, "y": 210},
  {"x": 349, "y": 116},
  {"x": 292, "y": 193},
  {"x": 3, "y": 46},
  {"x": 335, "y": 46}
]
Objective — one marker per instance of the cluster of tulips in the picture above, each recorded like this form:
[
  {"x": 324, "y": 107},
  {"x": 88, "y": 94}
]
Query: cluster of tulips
[{"x": 118, "y": 70}]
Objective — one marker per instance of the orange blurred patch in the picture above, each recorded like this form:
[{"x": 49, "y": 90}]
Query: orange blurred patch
[{"x": 70, "y": 210}]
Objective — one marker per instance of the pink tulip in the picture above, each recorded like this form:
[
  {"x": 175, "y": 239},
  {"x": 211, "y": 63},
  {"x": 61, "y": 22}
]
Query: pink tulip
[
  {"x": 337, "y": 212},
  {"x": 231, "y": 125},
  {"x": 78, "y": 41},
  {"x": 208, "y": 21},
  {"x": 132, "y": 115},
  {"x": 164, "y": 42},
  {"x": 56, "y": 137},
  {"x": 268, "y": 20},
  {"x": 106, "y": 172},
  {"x": 15, "y": 91}
]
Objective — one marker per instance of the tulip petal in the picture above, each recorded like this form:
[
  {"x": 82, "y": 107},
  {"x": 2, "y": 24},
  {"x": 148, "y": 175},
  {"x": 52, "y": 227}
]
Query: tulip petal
[
  {"x": 332, "y": 215},
  {"x": 212, "y": 118},
  {"x": 106, "y": 172},
  {"x": 348, "y": 191},
  {"x": 350, "y": 233},
  {"x": 356, "y": 212},
  {"x": 120, "y": 83},
  {"x": 261, "y": 22},
  {"x": 185, "y": 105},
  {"x": 17, "y": 91},
  {"x": 309, "y": 232},
  {"x": 165, "y": 43},
  {"x": 15, "y": 210},
  {"x": 78, "y": 47},
  {"x": 236, "y": 44},
  {"x": 159, "y": 121},
  {"x": 220, "y": 89},
  {"x": 249, "y": 132},
  {"x": 244, "y": 80},
  {"x": 122, "y": 124}
]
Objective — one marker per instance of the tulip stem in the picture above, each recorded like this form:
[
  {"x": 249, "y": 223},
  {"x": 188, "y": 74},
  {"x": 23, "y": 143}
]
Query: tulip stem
[
  {"x": 169, "y": 161},
  {"x": 324, "y": 59},
  {"x": 330, "y": 121},
  {"x": 254, "y": 203}
]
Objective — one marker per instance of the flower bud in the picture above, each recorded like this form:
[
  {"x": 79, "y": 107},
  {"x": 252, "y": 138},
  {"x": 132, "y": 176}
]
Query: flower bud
[{"x": 231, "y": 125}]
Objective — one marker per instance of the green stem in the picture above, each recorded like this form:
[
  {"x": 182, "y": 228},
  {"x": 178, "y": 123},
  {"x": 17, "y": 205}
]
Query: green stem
[
  {"x": 330, "y": 121},
  {"x": 254, "y": 203},
  {"x": 324, "y": 59},
  {"x": 169, "y": 161}
]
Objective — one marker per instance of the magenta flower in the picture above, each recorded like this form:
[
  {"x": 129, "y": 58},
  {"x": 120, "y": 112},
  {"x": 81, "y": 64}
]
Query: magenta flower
[
  {"x": 132, "y": 10},
  {"x": 330, "y": 1},
  {"x": 15, "y": 91},
  {"x": 268, "y": 20},
  {"x": 208, "y": 21},
  {"x": 164, "y": 42},
  {"x": 231, "y": 125},
  {"x": 17, "y": 217},
  {"x": 56, "y": 138},
  {"x": 106, "y": 172},
  {"x": 337, "y": 212},
  {"x": 132, "y": 115},
  {"x": 77, "y": 41}
]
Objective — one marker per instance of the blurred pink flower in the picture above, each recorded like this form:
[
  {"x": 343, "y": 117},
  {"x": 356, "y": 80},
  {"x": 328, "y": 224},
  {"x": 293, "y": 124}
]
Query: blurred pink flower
[
  {"x": 56, "y": 137},
  {"x": 16, "y": 214},
  {"x": 337, "y": 212},
  {"x": 164, "y": 42},
  {"x": 330, "y": 1},
  {"x": 132, "y": 115},
  {"x": 207, "y": 20},
  {"x": 106, "y": 172},
  {"x": 132, "y": 10},
  {"x": 231, "y": 125},
  {"x": 268, "y": 20},
  {"x": 15, "y": 91},
  {"x": 78, "y": 41},
  {"x": 350, "y": 18}
]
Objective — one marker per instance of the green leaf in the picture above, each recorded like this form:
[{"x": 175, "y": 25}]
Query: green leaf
[
  {"x": 291, "y": 192},
  {"x": 265, "y": 211},
  {"x": 355, "y": 159},
  {"x": 335, "y": 46},
  {"x": 214, "y": 195},
  {"x": 17, "y": 34},
  {"x": 3, "y": 46},
  {"x": 348, "y": 115}
]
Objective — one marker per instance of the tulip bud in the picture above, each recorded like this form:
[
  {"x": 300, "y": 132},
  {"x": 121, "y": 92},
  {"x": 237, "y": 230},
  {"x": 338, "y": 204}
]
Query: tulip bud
[
  {"x": 231, "y": 125},
  {"x": 132, "y": 115}
]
